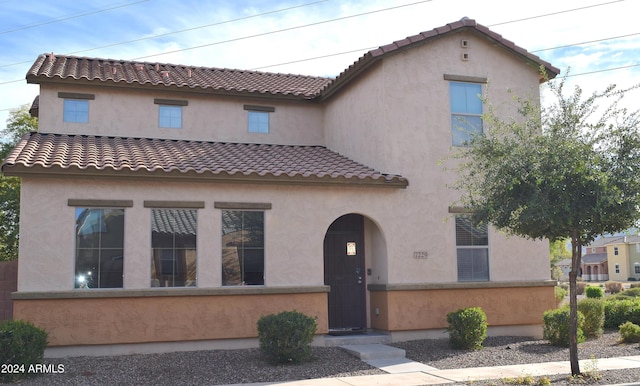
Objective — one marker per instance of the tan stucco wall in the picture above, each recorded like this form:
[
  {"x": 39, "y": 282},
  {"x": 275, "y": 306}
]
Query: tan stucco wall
[
  {"x": 396, "y": 118},
  {"x": 116, "y": 320},
  {"x": 425, "y": 309},
  {"x": 207, "y": 117},
  {"x": 294, "y": 233}
]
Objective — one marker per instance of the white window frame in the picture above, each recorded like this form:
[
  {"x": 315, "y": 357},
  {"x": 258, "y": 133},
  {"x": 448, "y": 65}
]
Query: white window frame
[{"x": 465, "y": 120}]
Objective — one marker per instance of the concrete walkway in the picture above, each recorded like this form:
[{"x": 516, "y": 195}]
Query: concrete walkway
[{"x": 403, "y": 372}]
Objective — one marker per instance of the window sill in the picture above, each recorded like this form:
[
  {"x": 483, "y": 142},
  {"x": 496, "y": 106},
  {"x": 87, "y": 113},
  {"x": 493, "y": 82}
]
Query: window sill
[
  {"x": 157, "y": 292},
  {"x": 461, "y": 285}
]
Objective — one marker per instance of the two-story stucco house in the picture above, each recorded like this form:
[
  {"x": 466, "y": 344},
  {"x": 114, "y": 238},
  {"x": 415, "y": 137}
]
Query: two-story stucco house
[{"x": 168, "y": 203}]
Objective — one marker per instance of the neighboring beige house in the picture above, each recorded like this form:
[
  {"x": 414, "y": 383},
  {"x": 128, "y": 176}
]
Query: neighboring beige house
[
  {"x": 623, "y": 254},
  {"x": 615, "y": 258},
  {"x": 169, "y": 203}
]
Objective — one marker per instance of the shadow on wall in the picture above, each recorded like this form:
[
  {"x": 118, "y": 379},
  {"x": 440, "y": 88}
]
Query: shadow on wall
[{"x": 8, "y": 284}]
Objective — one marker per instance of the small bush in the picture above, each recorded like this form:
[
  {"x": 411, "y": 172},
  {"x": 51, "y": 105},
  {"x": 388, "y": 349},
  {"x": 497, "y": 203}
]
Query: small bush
[
  {"x": 619, "y": 310},
  {"x": 560, "y": 293},
  {"x": 613, "y": 287},
  {"x": 580, "y": 286},
  {"x": 593, "y": 311},
  {"x": 629, "y": 332},
  {"x": 631, "y": 292},
  {"x": 631, "y": 279},
  {"x": 286, "y": 337},
  {"x": 467, "y": 328},
  {"x": 594, "y": 292},
  {"x": 22, "y": 345},
  {"x": 556, "y": 326}
]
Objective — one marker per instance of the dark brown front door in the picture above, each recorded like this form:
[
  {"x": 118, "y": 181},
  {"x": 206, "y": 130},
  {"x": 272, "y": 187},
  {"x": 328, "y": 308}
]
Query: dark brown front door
[{"x": 344, "y": 272}]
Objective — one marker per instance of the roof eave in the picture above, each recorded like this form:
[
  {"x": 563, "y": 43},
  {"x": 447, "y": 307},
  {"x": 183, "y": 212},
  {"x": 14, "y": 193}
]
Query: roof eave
[
  {"x": 41, "y": 79},
  {"x": 18, "y": 170}
]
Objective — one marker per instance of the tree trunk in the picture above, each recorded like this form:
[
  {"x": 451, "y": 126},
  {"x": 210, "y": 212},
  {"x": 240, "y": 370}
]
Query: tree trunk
[{"x": 576, "y": 256}]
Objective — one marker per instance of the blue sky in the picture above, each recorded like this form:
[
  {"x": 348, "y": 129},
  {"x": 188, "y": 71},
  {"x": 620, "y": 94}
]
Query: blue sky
[{"x": 285, "y": 35}]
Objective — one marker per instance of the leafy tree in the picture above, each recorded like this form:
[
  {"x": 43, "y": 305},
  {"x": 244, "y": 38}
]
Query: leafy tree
[
  {"x": 558, "y": 251},
  {"x": 569, "y": 170},
  {"x": 18, "y": 123}
]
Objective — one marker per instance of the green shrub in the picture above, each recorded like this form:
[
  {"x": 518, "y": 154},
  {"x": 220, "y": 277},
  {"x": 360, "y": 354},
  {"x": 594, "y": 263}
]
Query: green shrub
[
  {"x": 556, "y": 326},
  {"x": 631, "y": 292},
  {"x": 561, "y": 294},
  {"x": 629, "y": 332},
  {"x": 593, "y": 311},
  {"x": 580, "y": 286},
  {"x": 594, "y": 292},
  {"x": 286, "y": 337},
  {"x": 618, "y": 311},
  {"x": 467, "y": 328},
  {"x": 613, "y": 287},
  {"x": 22, "y": 345}
]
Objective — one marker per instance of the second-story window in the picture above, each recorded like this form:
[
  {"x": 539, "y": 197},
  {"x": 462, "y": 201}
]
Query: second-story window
[
  {"x": 75, "y": 106},
  {"x": 258, "y": 122},
  {"x": 258, "y": 118},
  {"x": 466, "y": 111},
  {"x": 170, "y": 113},
  {"x": 76, "y": 111},
  {"x": 170, "y": 117}
]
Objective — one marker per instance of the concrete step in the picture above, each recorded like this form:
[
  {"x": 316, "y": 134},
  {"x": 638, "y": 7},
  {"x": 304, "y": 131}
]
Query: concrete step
[
  {"x": 375, "y": 351},
  {"x": 345, "y": 340}
]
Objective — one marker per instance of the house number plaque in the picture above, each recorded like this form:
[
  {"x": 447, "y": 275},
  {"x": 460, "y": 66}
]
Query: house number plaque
[
  {"x": 420, "y": 255},
  {"x": 351, "y": 248}
]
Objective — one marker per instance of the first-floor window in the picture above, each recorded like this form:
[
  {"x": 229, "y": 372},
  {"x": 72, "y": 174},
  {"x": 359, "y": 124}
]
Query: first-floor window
[
  {"x": 242, "y": 247},
  {"x": 617, "y": 268},
  {"x": 173, "y": 247},
  {"x": 636, "y": 268},
  {"x": 99, "y": 247},
  {"x": 472, "y": 245}
]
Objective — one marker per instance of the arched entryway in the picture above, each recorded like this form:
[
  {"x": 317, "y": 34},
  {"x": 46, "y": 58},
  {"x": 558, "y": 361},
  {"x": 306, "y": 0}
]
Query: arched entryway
[{"x": 344, "y": 272}]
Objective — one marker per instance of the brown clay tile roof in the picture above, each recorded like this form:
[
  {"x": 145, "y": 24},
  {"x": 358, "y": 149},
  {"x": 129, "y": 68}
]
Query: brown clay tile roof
[
  {"x": 40, "y": 153},
  {"x": 52, "y": 66},
  {"x": 72, "y": 68}
]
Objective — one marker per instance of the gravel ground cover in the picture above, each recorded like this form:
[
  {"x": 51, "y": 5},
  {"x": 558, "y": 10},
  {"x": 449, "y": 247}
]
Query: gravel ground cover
[{"x": 225, "y": 367}]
